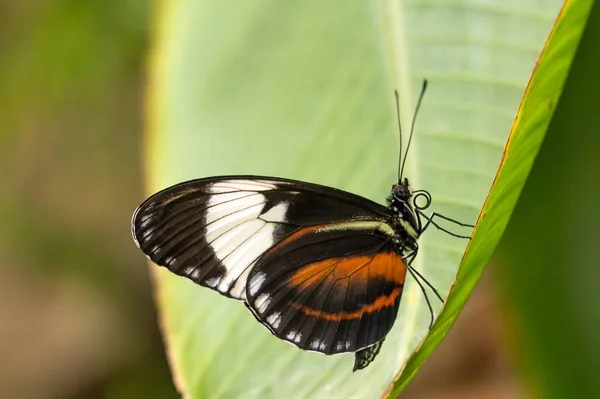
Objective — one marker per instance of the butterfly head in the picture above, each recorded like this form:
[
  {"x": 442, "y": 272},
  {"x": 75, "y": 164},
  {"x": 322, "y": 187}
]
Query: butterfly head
[{"x": 401, "y": 191}]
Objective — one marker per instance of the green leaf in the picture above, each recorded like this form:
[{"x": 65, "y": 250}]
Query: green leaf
[
  {"x": 304, "y": 90},
  {"x": 551, "y": 282},
  {"x": 527, "y": 135}
]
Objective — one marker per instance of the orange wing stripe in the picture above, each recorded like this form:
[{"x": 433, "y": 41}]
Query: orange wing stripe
[
  {"x": 357, "y": 268},
  {"x": 380, "y": 303}
]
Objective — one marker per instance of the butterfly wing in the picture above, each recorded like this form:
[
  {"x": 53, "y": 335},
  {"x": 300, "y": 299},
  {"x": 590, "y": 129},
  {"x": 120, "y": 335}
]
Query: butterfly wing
[
  {"x": 364, "y": 357},
  {"x": 330, "y": 288},
  {"x": 212, "y": 231}
]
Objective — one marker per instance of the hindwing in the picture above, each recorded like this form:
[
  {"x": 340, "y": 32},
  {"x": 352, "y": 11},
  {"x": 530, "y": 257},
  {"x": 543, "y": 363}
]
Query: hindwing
[{"x": 329, "y": 288}]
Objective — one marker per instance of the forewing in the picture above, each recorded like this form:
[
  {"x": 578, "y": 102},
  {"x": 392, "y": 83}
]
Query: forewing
[
  {"x": 213, "y": 230},
  {"x": 330, "y": 288}
]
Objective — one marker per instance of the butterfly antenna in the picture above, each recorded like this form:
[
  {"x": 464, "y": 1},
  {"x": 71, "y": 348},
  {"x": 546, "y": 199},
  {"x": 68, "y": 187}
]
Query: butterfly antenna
[
  {"x": 399, "y": 134},
  {"x": 412, "y": 127}
]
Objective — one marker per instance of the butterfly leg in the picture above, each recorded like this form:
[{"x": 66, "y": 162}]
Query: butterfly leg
[
  {"x": 435, "y": 214},
  {"x": 431, "y": 222},
  {"x": 418, "y": 277}
]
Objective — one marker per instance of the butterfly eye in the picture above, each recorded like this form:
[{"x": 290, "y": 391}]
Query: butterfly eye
[{"x": 402, "y": 192}]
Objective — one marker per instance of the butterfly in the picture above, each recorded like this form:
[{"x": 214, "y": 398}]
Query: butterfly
[{"x": 321, "y": 268}]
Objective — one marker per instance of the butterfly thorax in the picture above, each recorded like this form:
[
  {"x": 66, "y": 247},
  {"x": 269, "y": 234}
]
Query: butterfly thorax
[{"x": 404, "y": 220}]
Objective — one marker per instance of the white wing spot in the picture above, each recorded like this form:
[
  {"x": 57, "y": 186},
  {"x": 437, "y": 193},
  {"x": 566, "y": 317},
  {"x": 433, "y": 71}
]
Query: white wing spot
[
  {"x": 274, "y": 319},
  {"x": 262, "y": 303},
  {"x": 239, "y": 288},
  {"x": 315, "y": 344},
  {"x": 276, "y": 214},
  {"x": 232, "y": 239},
  {"x": 217, "y": 199},
  {"x": 228, "y": 214},
  {"x": 256, "y": 283},
  {"x": 298, "y": 337},
  {"x": 213, "y": 281},
  {"x": 241, "y": 258},
  {"x": 290, "y": 336},
  {"x": 258, "y": 185},
  {"x": 147, "y": 237},
  {"x": 169, "y": 260},
  {"x": 226, "y": 186}
]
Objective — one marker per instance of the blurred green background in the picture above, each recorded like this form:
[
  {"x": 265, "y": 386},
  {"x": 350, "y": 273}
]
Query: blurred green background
[{"x": 76, "y": 308}]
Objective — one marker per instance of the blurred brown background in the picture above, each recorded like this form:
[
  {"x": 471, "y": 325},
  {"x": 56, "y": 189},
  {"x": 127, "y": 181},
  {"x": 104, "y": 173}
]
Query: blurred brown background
[{"x": 75, "y": 298}]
